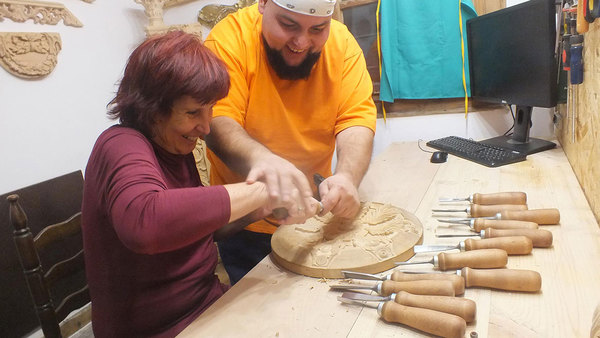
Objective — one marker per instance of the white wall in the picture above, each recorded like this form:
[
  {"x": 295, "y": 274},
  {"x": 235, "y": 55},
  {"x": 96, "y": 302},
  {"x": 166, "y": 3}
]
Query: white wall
[{"x": 48, "y": 126}]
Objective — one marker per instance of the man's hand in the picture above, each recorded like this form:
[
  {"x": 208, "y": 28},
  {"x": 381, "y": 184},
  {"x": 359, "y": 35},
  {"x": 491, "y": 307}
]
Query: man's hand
[
  {"x": 297, "y": 215},
  {"x": 287, "y": 186},
  {"x": 340, "y": 196}
]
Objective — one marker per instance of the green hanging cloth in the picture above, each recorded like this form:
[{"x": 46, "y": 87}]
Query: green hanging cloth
[{"x": 421, "y": 49}]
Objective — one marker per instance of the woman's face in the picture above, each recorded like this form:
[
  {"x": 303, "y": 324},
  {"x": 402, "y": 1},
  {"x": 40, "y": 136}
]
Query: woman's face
[{"x": 188, "y": 121}]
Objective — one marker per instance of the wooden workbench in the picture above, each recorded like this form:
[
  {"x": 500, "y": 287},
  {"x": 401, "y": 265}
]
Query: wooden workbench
[{"x": 272, "y": 302}]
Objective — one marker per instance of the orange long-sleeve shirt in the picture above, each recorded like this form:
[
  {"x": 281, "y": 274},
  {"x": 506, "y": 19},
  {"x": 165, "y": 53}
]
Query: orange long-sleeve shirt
[{"x": 297, "y": 120}]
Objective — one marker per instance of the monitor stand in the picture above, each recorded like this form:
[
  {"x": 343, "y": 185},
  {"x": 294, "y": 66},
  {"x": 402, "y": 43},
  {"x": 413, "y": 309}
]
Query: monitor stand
[{"x": 520, "y": 140}]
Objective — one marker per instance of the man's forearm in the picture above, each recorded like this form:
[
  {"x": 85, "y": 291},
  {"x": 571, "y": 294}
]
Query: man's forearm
[
  {"x": 232, "y": 144},
  {"x": 354, "y": 149}
]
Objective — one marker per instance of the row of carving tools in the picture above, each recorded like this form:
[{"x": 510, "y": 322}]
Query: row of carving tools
[
  {"x": 426, "y": 300},
  {"x": 497, "y": 215}
]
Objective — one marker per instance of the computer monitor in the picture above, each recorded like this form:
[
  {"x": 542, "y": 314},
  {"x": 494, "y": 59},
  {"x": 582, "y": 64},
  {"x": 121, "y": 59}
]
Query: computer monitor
[{"x": 512, "y": 60}]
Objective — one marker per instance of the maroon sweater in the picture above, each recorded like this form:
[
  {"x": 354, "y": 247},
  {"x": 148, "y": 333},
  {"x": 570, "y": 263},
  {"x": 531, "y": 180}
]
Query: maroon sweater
[{"x": 147, "y": 233}]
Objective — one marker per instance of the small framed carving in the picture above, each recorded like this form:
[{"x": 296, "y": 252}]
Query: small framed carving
[{"x": 29, "y": 55}]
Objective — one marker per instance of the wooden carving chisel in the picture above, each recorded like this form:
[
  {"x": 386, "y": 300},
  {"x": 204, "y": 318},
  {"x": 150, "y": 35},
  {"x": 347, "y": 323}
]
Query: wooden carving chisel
[
  {"x": 539, "y": 216},
  {"x": 493, "y": 198},
  {"x": 478, "y": 224},
  {"x": 501, "y": 279},
  {"x": 513, "y": 245},
  {"x": 417, "y": 287},
  {"x": 477, "y": 210},
  {"x": 462, "y": 307},
  {"x": 540, "y": 238},
  {"x": 457, "y": 282},
  {"x": 434, "y": 322},
  {"x": 483, "y": 258}
]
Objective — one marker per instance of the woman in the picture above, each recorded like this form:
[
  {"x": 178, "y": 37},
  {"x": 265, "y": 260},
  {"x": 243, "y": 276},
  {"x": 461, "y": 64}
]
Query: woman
[{"x": 148, "y": 222}]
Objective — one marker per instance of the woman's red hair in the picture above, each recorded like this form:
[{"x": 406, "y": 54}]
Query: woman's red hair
[{"x": 161, "y": 70}]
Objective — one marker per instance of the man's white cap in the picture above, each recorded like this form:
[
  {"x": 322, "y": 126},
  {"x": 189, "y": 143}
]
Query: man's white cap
[{"x": 308, "y": 7}]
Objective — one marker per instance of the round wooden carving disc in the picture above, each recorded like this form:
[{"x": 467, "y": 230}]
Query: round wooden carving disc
[{"x": 379, "y": 236}]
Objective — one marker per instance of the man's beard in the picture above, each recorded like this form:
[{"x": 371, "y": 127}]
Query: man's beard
[{"x": 285, "y": 71}]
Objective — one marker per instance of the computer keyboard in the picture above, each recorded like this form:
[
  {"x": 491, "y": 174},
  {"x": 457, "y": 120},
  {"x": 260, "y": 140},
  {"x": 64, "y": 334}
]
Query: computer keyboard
[{"x": 478, "y": 152}]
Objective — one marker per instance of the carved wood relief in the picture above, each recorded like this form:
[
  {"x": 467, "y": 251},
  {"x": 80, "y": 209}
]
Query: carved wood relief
[
  {"x": 380, "y": 235},
  {"x": 156, "y": 25},
  {"x": 29, "y": 55},
  {"x": 47, "y": 13}
]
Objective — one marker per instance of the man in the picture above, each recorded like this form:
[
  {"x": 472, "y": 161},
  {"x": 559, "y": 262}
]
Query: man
[{"x": 299, "y": 90}]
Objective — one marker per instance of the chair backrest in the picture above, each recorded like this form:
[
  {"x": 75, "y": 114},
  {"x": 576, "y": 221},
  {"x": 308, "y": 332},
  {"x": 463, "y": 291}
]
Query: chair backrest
[{"x": 52, "y": 260}]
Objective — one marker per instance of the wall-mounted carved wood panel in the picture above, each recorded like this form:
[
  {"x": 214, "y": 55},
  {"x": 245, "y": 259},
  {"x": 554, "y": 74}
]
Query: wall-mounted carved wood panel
[
  {"x": 46, "y": 13},
  {"x": 29, "y": 55},
  {"x": 156, "y": 25}
]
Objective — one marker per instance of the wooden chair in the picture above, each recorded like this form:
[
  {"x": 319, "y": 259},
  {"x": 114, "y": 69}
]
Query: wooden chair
[{"x": 53, "y": 267}]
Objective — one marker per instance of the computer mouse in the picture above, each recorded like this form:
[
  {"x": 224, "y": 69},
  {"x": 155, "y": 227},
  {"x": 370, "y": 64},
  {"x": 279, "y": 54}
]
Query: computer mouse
[{"x": 439, "y": 157}]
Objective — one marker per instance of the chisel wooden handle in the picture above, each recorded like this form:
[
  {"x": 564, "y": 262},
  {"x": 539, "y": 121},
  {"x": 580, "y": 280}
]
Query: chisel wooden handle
[
  {"x": 430, "y": 321},
  {"x": 513, "y": 245},
  {"x": 500, "y": 198},
  {"x": 482, "y": 223},
  {"x": 418, "y": 287},
  {"x": 539, "y": 216},
  {"x": 484, "y": 258},
  {"x": 540, "y": 238},
  {"x": 479, "y": 210},
  {"x": 462, "y": 307},
  {"x": 458, "y": 283},
  {"x": 503, "y": 279}
]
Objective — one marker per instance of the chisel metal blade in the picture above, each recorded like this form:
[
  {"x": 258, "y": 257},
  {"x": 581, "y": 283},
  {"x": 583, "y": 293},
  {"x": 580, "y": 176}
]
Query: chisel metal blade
[
  {"x": 457, "y": 221},
  {"x": 449, "y": 199},
  {"x": 457, "y": 235},
  {"x": 361, "y": 275},
  {"x": 465, "y": 219},
  {"x": 364, "y": 297},
  {"x": 450, "y": 210},
  {"x": 430, "y": 248},
  {"x": 357, "y": 302}
]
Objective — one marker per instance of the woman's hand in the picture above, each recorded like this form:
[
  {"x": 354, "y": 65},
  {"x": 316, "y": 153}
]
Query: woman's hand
[{"x": 298, "y": 214}]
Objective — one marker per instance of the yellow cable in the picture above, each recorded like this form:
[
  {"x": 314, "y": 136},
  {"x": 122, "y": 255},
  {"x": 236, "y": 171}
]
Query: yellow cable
[
  {"x": 379, "y": 57},
  {"x": 462, "y": 50}
]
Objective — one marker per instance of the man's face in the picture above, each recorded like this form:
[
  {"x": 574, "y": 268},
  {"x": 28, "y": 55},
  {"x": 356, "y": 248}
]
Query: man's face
[{"x": 294, "y": 36}]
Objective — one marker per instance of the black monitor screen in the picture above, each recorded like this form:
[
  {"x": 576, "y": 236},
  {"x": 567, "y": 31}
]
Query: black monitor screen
[
  {"x": 512, "y": 56},
  {"x": 512, "y": 59}
]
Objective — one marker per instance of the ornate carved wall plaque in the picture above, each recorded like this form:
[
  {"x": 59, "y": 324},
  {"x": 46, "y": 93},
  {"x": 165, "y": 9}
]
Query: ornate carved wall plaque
[
  {"x": 156, "y": 24},
  {"x": 209, "y": 15},
  {"x": 48, "y": 13},
  {"x": 29, "y": 55},
  {"x": 378, "y": 237}
]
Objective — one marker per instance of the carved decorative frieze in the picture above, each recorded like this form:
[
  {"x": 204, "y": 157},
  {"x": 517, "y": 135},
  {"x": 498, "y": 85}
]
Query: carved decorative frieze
[
  {"x": 156, "y": 25},
  {"x": 29, "y": 55},
  {"x": 209, "y": 15},
  {"x": 47, "y": 13}
]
